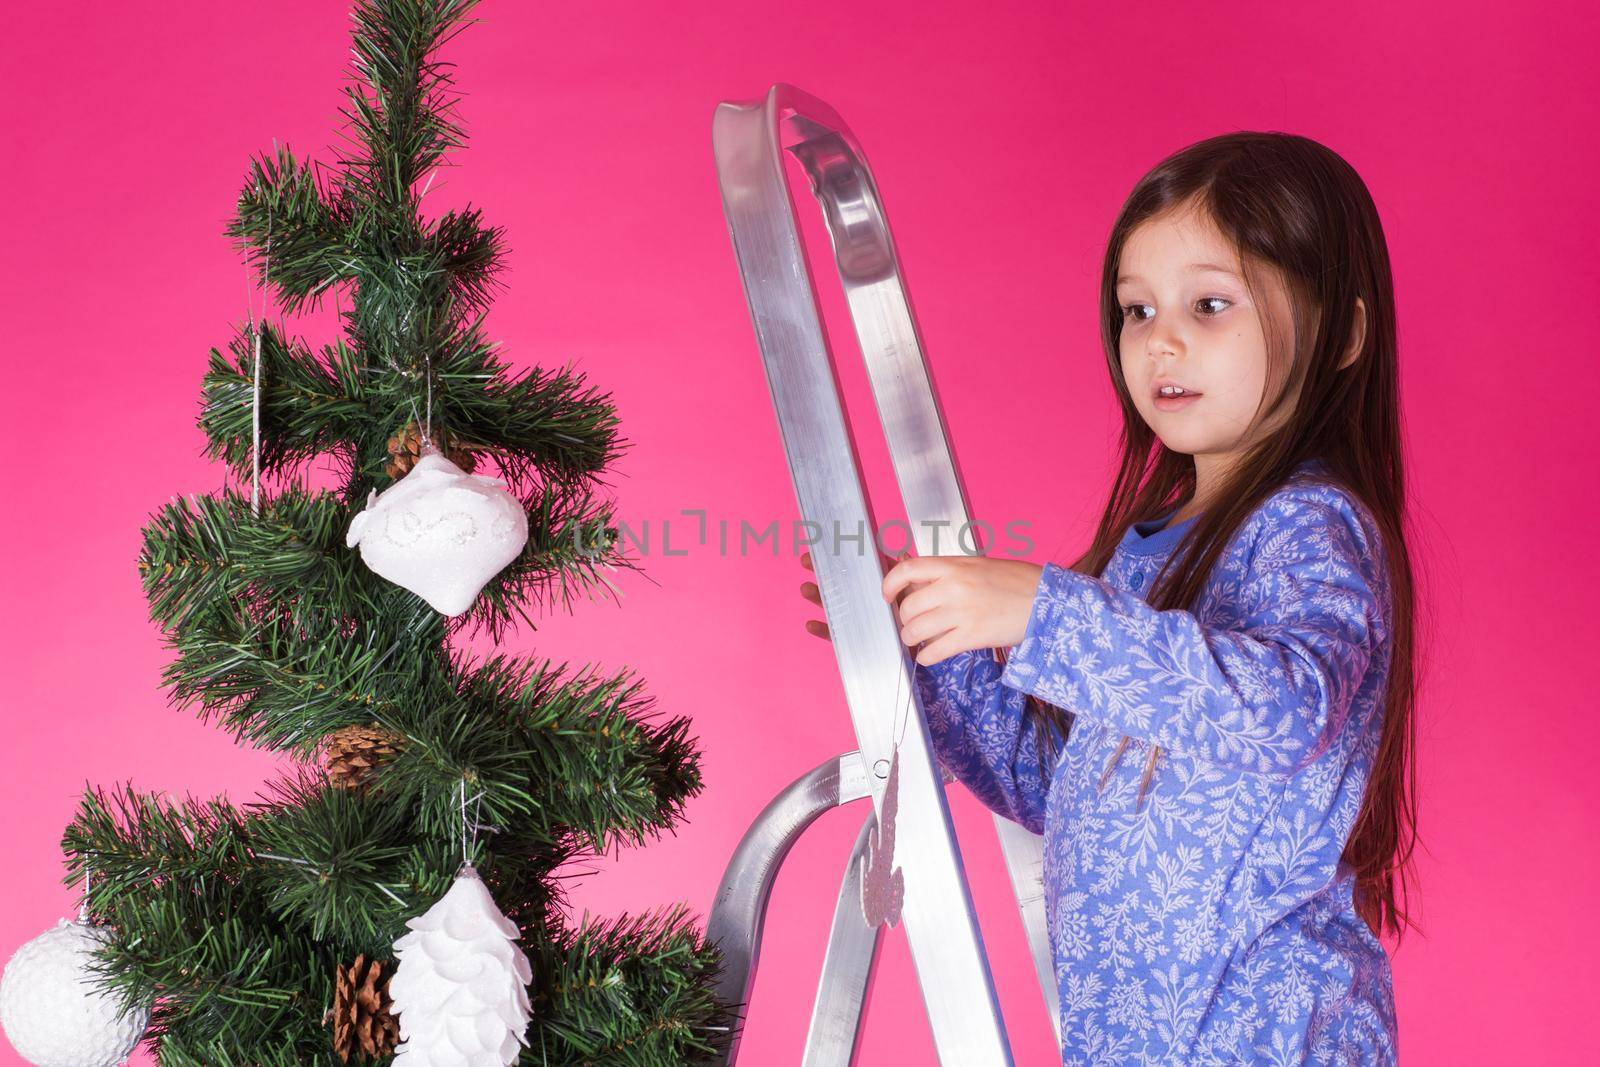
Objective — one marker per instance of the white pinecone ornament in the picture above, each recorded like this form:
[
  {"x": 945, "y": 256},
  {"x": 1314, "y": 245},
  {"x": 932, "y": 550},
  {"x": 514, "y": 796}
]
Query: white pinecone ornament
[
  {"x": 55, "y": 1009},
  {"x": 440, "y": 532},
  {"x": 461, "y": 987}
]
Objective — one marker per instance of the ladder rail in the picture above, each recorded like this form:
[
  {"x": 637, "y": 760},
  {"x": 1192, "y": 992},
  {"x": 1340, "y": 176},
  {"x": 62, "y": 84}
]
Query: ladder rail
[
  {"x": 748, "y": 139},
  {"x": 940, "y": 923},
  {"x": 739, "y": 910},
  {"x": 925, "y": 466},
  {"x": 840, "y": 1010}
]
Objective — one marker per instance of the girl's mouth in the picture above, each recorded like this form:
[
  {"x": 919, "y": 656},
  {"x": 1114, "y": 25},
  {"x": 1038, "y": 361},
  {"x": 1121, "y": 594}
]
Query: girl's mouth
[{"x": 1175, "y": 401}]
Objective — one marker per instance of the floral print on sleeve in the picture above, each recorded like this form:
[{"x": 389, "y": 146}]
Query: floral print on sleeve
[
  {"x": 1210, "y": 921},
  {"x": 984, "y": 734},
  {"x": 1263, "y": 694}
]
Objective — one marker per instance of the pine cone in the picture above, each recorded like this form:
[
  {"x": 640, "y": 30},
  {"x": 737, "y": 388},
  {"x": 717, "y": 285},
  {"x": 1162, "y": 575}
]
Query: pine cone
[
  {"x": 353, "y": 755},
  {"x": 405, "y": 448},
  {"x": 362, "y": 1013}
]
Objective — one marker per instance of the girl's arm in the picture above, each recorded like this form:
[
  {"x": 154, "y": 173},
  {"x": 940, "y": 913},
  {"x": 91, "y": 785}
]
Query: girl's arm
[
  {"x": 984, "y": 732},
  {"x": 1264, "y": 695}
]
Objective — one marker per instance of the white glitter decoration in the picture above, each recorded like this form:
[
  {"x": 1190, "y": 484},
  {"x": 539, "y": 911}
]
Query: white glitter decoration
[
  {"x": 461, "y": 987},
  {"x": 55, "y": 1009},
  {"x": 440, "y": 532}
]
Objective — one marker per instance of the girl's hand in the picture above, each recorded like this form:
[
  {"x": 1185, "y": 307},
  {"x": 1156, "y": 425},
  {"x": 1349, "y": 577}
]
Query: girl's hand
[
  {"x": 810, "y": 591},
  {"x": 959, "y": 603}
]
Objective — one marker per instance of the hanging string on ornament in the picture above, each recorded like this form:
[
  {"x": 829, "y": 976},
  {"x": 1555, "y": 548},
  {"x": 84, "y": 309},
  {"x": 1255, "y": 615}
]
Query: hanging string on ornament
[
  {"x": 883, "y": 887},
  {"x": 255, "y": 371},
  {"x": 470, "y": 828},
  {"x": 469, "y": 835},
  {"x": 55, "y": 1006},
  {"x": 902, "y": 712},
  {"x": 427, "y": 384}
]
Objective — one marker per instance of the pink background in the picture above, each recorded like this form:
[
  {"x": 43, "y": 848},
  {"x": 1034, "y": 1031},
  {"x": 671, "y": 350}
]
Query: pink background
[{"x": 1004, "y": 137}]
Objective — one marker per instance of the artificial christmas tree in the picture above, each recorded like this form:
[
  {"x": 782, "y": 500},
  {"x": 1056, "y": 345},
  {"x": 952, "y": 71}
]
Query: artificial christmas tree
[{"x": 264, "y": 934}]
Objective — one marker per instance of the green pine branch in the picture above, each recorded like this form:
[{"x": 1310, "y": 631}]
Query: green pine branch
[
  {"x": 553, "y": 758},
  {"x": 262, "y": 679},
  {"x": 629, "y": 992},
  {"x": 310, "y": 405},
  {"x": 546, "y": 421},
  {"x": 204, "y": 554},
  {"x": 345, "y": 867},
  {"x": 179, "y": 882},
  {"x": 470, "y": 254},
  {"x": 292, "y": 225},
  {"x": 400, "y": 110},
  {"x": 231, "y": 919},
  {"x": 541, "y": 425}
]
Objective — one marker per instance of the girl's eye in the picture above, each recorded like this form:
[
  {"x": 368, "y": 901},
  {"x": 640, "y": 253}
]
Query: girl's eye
[{"x": 1132, "y": 310}]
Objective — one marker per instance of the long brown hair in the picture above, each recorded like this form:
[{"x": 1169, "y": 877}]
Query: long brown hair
[{"x": 1292, "y": 207}]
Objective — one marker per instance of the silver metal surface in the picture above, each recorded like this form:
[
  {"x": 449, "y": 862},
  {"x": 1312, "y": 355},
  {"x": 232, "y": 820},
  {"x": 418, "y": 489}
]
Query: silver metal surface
[
  {"x": 748, "y": 141},
  {"x": 925, "y": 466},
  {"x": 739, "y": 910},
  {"x": 834, "y": 1037},
  {"x": 1024, "y": 852}
]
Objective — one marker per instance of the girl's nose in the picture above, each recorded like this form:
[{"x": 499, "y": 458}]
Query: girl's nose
[
  {"x": 1164, "y": 347},
  {"x": 1163, "y": 344}
]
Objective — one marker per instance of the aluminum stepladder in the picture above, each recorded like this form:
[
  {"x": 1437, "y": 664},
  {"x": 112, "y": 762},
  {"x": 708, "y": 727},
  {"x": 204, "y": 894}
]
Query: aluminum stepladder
[{"x": 748, "y": 139}]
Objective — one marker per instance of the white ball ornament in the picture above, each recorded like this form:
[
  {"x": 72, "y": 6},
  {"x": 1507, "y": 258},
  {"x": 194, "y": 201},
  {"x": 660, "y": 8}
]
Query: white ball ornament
[
  {"x": 440, "y": 532},
  {"x": 55, "y": 1009},
  {"x": 461, "y": 987}
]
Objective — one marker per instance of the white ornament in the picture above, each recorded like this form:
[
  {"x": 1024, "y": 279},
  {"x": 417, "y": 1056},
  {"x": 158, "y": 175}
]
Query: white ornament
[
  {"x": 461, "y": 987},
  {"x": 440, "y": 532},
  {"x": 55, "y": 1009}
]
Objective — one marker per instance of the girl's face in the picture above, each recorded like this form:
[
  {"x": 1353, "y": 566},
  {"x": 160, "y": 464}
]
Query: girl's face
[{"x": 1188, "y": 321}]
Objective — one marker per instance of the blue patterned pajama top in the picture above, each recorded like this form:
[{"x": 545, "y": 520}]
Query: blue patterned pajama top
[{"x": 1214, "y": 923}]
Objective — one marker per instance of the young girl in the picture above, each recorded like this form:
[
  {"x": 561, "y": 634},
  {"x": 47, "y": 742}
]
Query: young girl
[{"x": 1208, "y": 715}]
